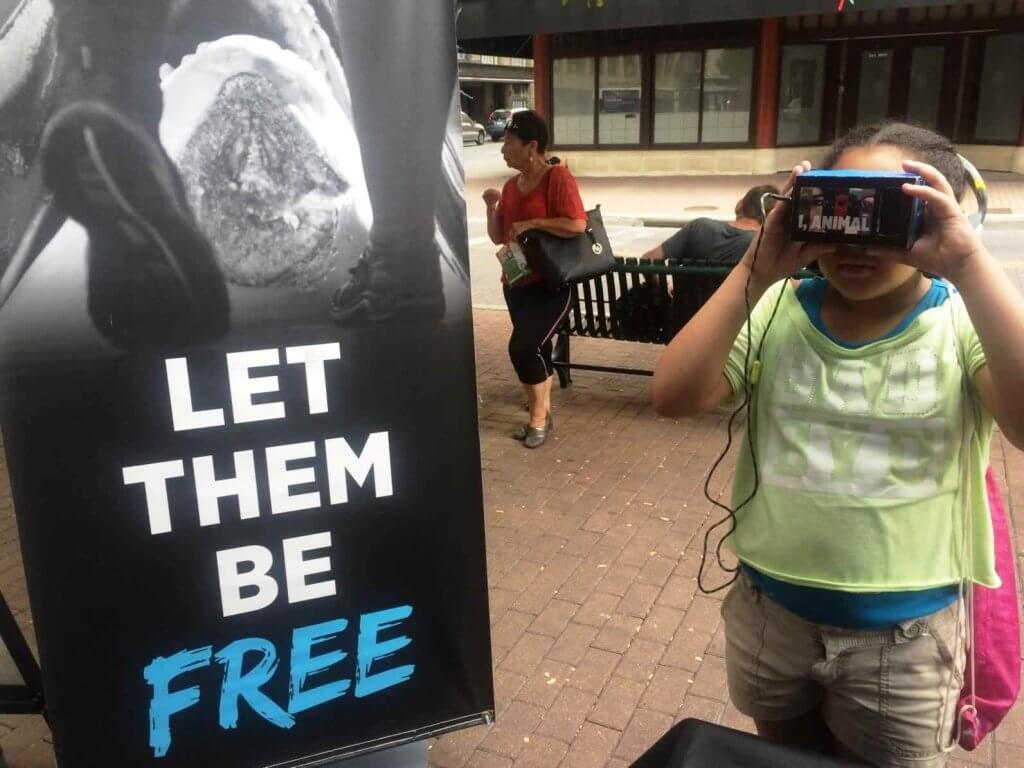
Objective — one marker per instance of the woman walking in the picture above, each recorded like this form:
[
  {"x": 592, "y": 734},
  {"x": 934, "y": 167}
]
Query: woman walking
[{"x": 543, "y": 196}]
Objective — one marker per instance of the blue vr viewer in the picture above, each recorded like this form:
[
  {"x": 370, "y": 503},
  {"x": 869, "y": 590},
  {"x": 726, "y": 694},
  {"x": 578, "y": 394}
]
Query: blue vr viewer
[{"x": 856, "y": 207}]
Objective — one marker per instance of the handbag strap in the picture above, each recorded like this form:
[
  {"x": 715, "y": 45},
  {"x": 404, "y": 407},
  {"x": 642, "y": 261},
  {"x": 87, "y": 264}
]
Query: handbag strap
[
  {"x": 594, "y": 241},
  {"x": 589, "y": 231}
]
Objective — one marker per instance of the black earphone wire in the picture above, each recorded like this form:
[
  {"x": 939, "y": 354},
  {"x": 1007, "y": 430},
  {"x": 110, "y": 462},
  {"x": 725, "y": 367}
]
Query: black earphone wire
[{"x": 748, "y": 405}]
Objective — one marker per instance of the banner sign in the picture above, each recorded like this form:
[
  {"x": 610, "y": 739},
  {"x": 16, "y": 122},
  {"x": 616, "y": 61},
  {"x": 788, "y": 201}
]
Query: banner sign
[{"x": 238, "y": 393}]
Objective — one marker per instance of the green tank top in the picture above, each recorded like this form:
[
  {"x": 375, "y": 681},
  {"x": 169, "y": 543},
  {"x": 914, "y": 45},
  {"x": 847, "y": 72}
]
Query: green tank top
[{"x": 862, "y": 487}]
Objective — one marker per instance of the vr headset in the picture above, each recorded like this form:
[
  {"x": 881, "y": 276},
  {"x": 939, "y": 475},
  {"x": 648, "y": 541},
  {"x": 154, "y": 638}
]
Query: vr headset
[
  {"x": 855, "y": 207},
  {"x": 865, "y": 207}
]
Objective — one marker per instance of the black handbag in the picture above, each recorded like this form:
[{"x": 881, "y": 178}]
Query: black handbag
[{"x": 566, "y": 260}]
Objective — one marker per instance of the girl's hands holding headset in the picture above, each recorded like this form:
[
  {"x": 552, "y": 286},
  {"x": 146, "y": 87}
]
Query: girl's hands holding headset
[
  {"x": 948, "y": 243},
  {"x": 778, "y": 257}
]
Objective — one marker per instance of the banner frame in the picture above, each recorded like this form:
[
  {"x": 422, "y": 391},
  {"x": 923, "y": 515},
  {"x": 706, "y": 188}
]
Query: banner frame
[{"x": 26, "y": 699}]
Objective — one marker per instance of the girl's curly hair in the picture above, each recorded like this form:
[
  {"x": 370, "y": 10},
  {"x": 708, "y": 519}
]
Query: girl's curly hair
[{"x": 920, "y": 143}]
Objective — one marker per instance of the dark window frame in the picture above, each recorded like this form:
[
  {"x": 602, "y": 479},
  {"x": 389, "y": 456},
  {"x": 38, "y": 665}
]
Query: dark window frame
[
  {"x": 755, "y": 57},
  {"x": 597, "y": 101},
  {"x": 652, "y": 58},
  {"x": 851, "y": 93},
  {"x": 972, "y": 96},
  {"x": 964, "y": 41},
  {"x": 647, "y": 58},
  {"x": 950, "y": 72},
  {"x": 550, "y": 74},
  {"x": 899, "y": 87},
  {"x": 827, "y": 103},
  {"x": 903, "y": 35}
]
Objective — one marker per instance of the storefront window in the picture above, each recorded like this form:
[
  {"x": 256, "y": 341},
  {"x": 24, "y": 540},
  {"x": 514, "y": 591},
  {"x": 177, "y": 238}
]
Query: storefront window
[
  {"x": 925, "y": 84},
  {"x": 573, "y": 101},
  {"x": 677, "y": 98},
  {"x": 699, "y": 97},
  {"x": 728, "y": 75},
  {"x": 875, "y": 83},
  {"x": 800, "y": 94},
  {"x": 1002, "y": 90},
  {"x": 619, "y": 100}
]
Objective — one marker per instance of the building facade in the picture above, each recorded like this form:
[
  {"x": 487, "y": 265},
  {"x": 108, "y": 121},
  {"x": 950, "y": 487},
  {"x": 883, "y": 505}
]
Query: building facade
[
  {"x": 489, "y": 82},
  {"x": 723, "y": 89}
]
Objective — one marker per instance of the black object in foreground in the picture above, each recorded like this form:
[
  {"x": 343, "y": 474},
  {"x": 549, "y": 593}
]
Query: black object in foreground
[{"x": 696, "y": 744}]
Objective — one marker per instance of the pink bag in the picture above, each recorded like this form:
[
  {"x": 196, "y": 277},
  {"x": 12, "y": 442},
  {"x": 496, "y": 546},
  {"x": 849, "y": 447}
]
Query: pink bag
[{"x": 996, "y": 679}]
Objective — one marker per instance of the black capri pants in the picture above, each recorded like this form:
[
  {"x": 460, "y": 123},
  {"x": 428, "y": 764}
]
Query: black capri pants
[{"x": 536, "y": 312}]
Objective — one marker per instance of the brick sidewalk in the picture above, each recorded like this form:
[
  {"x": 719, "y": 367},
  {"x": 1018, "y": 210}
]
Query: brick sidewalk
[{"x": 601, "y": 639}]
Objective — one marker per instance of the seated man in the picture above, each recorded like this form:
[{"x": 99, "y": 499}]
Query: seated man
[
  {"x": 700, "y": 243},
  {"x": 708, "y": 242}
]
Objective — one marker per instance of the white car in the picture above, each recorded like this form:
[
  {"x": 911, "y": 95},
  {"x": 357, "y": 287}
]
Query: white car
[{"x": 472, "y": 131}]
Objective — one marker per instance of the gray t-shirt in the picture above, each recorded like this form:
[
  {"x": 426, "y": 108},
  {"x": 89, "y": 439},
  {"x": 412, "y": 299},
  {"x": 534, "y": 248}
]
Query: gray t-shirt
[{"x": 708, "y": 241}]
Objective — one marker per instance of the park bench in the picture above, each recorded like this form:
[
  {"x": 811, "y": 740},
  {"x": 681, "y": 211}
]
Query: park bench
[{"x": 632, "y": 303}]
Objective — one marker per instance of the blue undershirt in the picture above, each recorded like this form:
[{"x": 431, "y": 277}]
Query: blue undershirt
[{"x": 855, "y": 610}]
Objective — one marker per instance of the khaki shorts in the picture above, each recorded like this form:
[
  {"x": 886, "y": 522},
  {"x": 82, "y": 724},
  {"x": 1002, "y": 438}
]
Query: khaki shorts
[{"x": 889, "y": 696}]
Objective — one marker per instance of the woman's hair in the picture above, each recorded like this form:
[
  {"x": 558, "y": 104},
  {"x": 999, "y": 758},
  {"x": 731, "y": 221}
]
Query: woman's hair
[
  {"x": 918, "y": 142},
  {"x": 749, "y": 206},
  {"x": 528, "y": 126}
]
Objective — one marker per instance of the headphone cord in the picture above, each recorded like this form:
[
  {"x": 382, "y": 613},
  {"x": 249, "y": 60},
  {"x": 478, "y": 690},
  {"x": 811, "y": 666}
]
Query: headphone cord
[{"x": 751, "y": 377}]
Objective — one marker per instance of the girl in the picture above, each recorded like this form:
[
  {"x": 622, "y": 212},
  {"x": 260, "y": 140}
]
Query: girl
[{"x": 873, "y": 403}]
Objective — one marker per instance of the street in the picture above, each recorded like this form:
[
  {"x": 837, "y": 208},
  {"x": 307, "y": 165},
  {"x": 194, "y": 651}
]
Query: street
[{"x": 484, "y": 161}]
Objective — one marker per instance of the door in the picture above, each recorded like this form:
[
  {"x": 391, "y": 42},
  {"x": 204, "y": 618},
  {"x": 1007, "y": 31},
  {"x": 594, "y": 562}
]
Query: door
[
  {"x": 900, "y": 79},
  {"x": 870, "y": 96},
  {"x": 924, "y": 85},
  {"x": 468, "y": 130}
]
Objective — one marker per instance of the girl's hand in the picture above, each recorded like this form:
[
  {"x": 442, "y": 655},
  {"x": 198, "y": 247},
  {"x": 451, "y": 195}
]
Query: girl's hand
[
  {"x": 778, "y": 257},
  {"x": 948, "y": 243}
]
